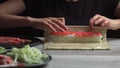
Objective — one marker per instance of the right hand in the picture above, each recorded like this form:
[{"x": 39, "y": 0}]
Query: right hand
[
  {"x": 50, "y": 24},
  {"x": 105, "y": 22}
]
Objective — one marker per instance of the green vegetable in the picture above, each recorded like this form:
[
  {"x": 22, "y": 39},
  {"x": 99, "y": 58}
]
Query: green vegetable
[
  {"x": 2, "y": 50},
  {"x": 29, "y": 55}
]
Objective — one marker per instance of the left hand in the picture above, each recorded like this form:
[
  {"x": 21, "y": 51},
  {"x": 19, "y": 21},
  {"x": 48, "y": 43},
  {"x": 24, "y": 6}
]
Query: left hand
[
  {"x": 104, "y": 22},
  {"x": 48, "y": 24}
]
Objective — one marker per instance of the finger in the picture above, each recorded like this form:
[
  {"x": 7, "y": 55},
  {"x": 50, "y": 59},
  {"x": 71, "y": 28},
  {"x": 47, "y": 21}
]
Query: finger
[
  {"x": 92, "y": 21},
  {"x": 60, "y": 23},
  {"x": 105, "y": 24},
  {"x": 95, "y": 18},
  {"x": 99, "y": 21},
  {"x": 91, "y": 25},
  {"x": 46, "y": 25},
  {"x": 57, "y": 27},
  {"x": 62, "y": 19},
  {"x": 51, "y": 28}
]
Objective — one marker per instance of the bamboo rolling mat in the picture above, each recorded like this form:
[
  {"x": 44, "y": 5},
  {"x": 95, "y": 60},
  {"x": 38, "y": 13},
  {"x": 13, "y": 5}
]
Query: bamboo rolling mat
[{"x": 78, "y": 46}]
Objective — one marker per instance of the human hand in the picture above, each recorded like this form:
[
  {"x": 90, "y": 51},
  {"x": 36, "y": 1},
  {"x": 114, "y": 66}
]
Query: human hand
[
  {"x": 104, "y": 22},
  {"x": 50, "y": 24}
]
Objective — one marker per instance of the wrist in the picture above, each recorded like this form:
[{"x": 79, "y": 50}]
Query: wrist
[
  {"x": 30, "y": 20},
  {"x": 118, "y": 21},
  {"x": 119, "y": 24}
]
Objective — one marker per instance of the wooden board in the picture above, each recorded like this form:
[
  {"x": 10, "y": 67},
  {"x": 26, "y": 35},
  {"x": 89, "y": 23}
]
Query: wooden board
[{"x": 102, "y": 45}]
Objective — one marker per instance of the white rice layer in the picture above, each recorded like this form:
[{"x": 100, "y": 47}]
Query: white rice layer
[{"x": 73, "y": 39}]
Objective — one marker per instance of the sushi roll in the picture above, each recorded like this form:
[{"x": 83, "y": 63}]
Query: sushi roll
[{"x": 75, "y": 37}]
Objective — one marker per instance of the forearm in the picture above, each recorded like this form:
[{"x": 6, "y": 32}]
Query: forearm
[{"x": 12, "y": 21}]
